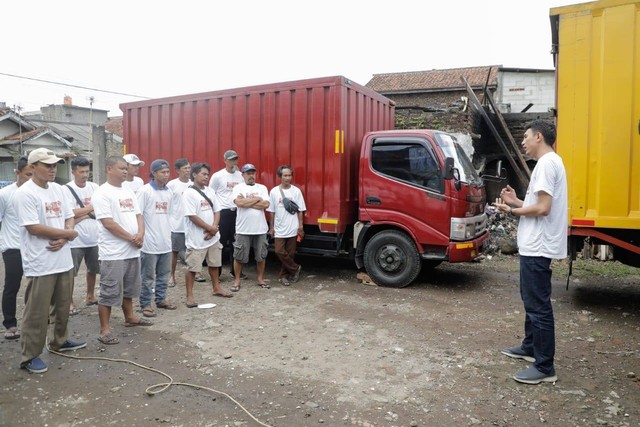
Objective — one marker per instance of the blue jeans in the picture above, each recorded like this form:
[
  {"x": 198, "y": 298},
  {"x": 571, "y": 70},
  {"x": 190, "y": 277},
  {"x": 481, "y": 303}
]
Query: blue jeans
[
  {"x": 154, "y": 268},
  {"x": 539, "y": 328}
]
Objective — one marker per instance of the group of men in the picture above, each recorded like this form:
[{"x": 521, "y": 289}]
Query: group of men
[{"x": 132, "y": 234}]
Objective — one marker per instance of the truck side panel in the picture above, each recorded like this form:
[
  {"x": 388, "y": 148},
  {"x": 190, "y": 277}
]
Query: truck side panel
[
  {"x": 314, "y": 125},
  {"x": 598, "y": 66}
]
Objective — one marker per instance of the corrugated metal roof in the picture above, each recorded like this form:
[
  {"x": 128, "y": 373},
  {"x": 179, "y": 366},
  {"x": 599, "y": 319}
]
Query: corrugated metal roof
[
  {"x": 80, "y": 134},
  {"x": 415, "y": 81}
]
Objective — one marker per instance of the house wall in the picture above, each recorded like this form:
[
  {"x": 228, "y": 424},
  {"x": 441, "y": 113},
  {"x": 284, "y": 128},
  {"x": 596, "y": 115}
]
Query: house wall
[
  {"x": 73, "y": 114},
  {"x": 8, "y": 127},
  {"x": 517, "y": 89},
  {"x": 431, "y": 99}
]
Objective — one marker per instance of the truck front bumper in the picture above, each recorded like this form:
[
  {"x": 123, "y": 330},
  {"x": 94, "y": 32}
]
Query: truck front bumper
[{"x": 467, "y": 251}]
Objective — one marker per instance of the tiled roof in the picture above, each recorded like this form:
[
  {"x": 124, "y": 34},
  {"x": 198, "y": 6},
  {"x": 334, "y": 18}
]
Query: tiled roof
[
  {"x": 433, "y": 80},
  {"x": 114, "y": 125}
]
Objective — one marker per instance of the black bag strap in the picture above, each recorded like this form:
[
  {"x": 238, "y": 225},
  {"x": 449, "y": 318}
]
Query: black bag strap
[
  {"x": 203, "y": 195},
  {"x": 281, "y": 192},
  {"x": 75, "y": 195}
]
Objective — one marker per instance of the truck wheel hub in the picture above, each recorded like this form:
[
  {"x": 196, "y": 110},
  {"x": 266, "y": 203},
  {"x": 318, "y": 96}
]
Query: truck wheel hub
[{"x": 390, "y": 258}]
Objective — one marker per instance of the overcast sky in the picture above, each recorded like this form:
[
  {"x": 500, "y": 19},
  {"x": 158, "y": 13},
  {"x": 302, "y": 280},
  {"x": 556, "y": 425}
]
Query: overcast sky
[{"x": 164, "y": 48}]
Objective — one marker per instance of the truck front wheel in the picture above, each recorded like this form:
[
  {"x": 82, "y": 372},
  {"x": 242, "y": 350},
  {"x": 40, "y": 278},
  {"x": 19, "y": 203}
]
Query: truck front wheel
[{"x": 391, "y": 259}]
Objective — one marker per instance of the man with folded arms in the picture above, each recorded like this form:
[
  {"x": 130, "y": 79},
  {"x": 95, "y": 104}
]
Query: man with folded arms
[
  {"x": 46, "y": 227},
  {"x": 121, "y": 234}
]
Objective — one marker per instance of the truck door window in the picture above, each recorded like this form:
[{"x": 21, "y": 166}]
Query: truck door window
[{"x": 412, "y": 163}]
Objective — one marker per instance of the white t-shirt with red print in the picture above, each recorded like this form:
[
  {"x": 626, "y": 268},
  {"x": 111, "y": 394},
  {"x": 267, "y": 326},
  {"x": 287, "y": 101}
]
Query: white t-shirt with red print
[
  {"x": 196, "y": 205},
  {"x": 155, "y": 205},
  {"x": 47, "y": 206},
  {"x": 121, "y": 205},
  {"x": 87, "y": 228}
]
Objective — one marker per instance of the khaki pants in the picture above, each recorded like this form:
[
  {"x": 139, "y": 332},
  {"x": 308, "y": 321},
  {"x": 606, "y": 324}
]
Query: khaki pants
[{"x": 47, "y": 300}]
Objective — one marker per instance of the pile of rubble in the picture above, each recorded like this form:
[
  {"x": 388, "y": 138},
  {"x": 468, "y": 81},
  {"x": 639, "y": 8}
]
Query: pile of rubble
[{"x": 503, "y": 229}]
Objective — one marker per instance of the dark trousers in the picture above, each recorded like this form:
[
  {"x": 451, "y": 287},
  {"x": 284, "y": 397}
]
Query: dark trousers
[
  {"x": 12, "y": 277},
  {"x": 227, "y": 235},
  {"x": 539, "y": 327},
  {"x": 285, "y": 249}
]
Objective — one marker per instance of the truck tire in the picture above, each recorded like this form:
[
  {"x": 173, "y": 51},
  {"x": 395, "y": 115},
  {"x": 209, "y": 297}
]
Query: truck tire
[{"x": 391, "y": 259}]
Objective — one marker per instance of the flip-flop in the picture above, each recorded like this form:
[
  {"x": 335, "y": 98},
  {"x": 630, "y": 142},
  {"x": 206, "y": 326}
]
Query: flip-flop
[
  {"x": 192, "y": 305},
  {"x": 108, "y": 339},
  {"x": 73, "y": 312},
  {"x": 264, "y": 285},
  {"x": 141, "y": 322},
  {"x": 166, "y": 305},
  {"x": 148, "y": 312},
  {"x": 222, "y": 295},
  {"x": 235, "y": 288},
  {"x": 12, "y": 333},
  {"x": 90, "y": 303}
]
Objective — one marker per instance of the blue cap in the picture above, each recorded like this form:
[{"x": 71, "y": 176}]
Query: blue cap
[
  {"x": 248, "y": 167},
  {"x": 158, "y": 164}
]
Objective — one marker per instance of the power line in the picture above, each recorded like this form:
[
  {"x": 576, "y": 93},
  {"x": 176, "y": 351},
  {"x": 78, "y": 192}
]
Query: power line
[{"x": 70, "y": 85}]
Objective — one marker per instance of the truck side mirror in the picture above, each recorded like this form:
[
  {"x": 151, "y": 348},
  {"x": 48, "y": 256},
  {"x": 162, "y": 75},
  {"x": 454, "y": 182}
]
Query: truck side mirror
[
  {"x": 451, "y": 172},
  {"x": 501, "y": 174}
]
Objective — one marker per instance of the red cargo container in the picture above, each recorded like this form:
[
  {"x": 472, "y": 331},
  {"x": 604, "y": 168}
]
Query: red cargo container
[{"x": 315, "y": 125}]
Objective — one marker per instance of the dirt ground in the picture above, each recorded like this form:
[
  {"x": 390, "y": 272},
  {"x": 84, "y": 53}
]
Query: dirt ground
[{"x": 332, "y": 351}]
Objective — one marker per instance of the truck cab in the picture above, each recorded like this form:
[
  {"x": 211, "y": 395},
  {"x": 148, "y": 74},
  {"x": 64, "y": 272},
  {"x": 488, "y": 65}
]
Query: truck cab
[{"x": 421, "y": 202}]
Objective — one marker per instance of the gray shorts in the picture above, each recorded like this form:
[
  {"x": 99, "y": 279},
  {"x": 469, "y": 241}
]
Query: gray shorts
[
  {"x": 119, "y": 279},
  {"x": 213, "y": 255},
  {"x": 90, "y": 256},
  {"x": 243, "y": 244},
  {"x": 177, "y": 242}
]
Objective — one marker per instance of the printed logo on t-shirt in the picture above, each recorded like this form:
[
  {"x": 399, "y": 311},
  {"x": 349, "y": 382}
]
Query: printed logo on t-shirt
[
  {"x": 53, "y": 209},
  {"x": 87, "y": 201},
  {"x": 204, "y": 205},
  {"x": 231, "y": 184},
  {"x": 162, "y": 208},
  {"x": 126, "y": 205},
  {"x": 252, "y": 195}
]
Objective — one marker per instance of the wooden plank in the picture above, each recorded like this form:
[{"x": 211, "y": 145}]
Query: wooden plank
[
  {"x": 515, "y": 147},
  {"x": 476, "y": 103}
]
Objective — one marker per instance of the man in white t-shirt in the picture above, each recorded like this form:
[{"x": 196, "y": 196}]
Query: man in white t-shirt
[
  {"x": 155, "y": 205},
  {"x": 86, "y": 245},
  {"x": 251, "y": 225},
  {"x": 120, "y": 237},
  {"x": 133, "y": 181},
  {"x": 222, "y": 184},
  {"x": 176, "y": 214},
  {"x": 202, "y": 232},
  {"x": 286, "y": 227},
  {"x": 46, "y": 227},
  {"x": 542, "y": 236},
  {"x": 10, "y": 247}
]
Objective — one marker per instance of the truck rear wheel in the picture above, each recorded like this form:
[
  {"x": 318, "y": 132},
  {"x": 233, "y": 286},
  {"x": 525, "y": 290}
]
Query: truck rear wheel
[{"x": 391, "y": 259}]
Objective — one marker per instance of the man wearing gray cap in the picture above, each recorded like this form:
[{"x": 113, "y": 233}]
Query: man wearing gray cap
[
  {"x": 222, "y": 184},
  {"x": 133, "y": 181},
  {"x": 45, "y": 216}
]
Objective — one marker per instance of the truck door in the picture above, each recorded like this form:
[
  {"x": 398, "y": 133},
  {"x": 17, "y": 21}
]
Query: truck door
[{"x": 403, "y": 184}]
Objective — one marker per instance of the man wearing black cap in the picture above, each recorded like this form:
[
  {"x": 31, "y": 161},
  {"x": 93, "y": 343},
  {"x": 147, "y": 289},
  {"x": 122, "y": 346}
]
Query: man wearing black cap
[
  {"x": 155, "y": 259},
  {"x": 46, "y": 224},
  {"x": 251, "y": 225},
  {"x": 222, "y": 184}
]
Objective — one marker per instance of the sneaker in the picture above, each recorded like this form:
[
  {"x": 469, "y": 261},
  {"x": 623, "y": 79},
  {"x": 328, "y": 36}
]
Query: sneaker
[
  {"x": 200, "y": 278},
  {"x": 532, "y": 376},
  {"x": 242, "y": 275},
  {"x": 172, "y": 283},
  {"x": 35, "y": 366},
  {"x": 70, "y": 345},
  {"x": 518, "y": 353},
  {"x": 295, "y": 276}
]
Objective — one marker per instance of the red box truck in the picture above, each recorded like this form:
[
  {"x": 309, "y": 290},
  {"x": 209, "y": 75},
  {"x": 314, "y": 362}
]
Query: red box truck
[{"x": 391, "y": 200}]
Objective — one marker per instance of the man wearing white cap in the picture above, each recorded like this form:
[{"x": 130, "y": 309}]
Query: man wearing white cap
[
  {"x": 46, "y": 222},
  {"x": 133, "y": 181}
]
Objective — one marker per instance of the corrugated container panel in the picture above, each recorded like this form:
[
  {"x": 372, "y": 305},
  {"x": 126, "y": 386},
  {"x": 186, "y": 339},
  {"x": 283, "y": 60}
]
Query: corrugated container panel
[
  {"x": 599, "y": 110},
  {"x": 315, "y": 125}
]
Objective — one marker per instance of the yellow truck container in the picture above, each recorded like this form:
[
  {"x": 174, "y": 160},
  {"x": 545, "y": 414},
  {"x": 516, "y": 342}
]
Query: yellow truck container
[{"x": 597, "y": 54}]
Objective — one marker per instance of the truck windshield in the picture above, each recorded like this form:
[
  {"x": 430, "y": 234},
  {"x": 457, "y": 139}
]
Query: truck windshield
[{"x": 451, "y": 148}]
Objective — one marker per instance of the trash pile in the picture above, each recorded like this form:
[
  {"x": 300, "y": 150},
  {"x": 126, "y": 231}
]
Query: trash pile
[{"x": 502, "y": 232}]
